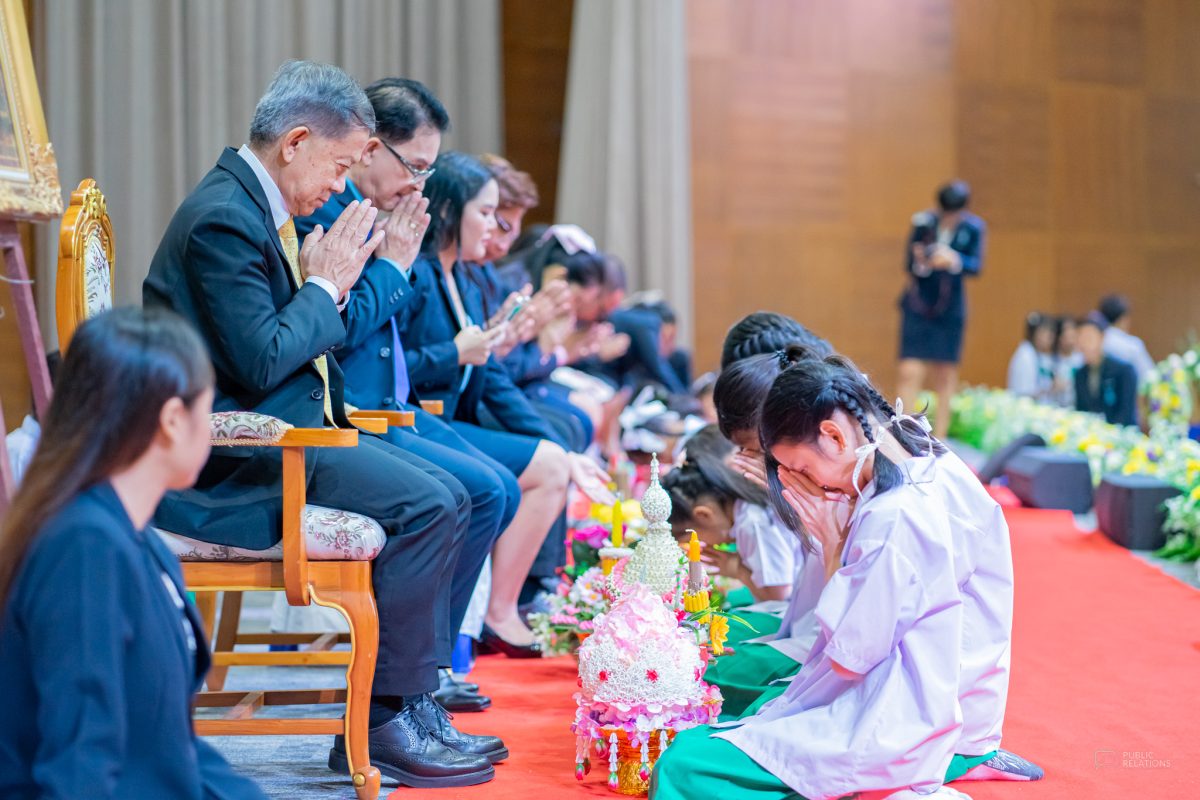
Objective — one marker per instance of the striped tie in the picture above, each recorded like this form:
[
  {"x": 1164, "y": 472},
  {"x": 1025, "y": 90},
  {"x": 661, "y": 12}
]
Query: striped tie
[{"x": 291, "y": 248}]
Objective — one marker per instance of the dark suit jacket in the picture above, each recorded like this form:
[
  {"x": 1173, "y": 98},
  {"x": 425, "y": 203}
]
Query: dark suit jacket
[
  {"x": 1117, "y": 398},
  {"x": 97, "y": 672},
  {"x": 940, "y": 294},
  {"x": 642, "y": 363},
  {"x": 433, "y": 358},
  {"x": 382, "y": 292},
  {"x": 221, "y": 266},
  {"x": 527, "y": 362}
]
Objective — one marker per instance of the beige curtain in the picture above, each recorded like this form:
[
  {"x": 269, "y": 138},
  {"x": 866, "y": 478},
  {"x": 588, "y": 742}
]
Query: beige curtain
[
  {"x": 624, "y": 173},
  {"x": 143, "y": 94}
]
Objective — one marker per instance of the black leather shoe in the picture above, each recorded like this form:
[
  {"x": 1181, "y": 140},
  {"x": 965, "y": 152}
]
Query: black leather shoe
[
  {"x": 456, "y": 697},
  {"x": 492, "y": 641},
  {"x": 437, "y": 722},
  {"x": 405, "y": 751},
  {"x": 445, "y": 677}
]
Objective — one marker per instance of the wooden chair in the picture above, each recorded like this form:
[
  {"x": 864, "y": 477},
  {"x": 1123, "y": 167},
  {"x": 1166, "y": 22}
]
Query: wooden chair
[{"x": 85, "y": 269}]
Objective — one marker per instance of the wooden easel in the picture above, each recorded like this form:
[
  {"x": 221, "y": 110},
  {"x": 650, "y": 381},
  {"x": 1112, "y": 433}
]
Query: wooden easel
[{"x": 17, "y": 274}]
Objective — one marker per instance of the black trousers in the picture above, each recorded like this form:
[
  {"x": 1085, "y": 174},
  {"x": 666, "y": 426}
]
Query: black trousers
[
  {"x": 494, "y": 493},
  {"x": 425, "y": 512}
]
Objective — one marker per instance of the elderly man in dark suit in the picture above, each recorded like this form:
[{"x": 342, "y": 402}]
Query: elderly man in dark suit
[{"x": 270, "y": 312}]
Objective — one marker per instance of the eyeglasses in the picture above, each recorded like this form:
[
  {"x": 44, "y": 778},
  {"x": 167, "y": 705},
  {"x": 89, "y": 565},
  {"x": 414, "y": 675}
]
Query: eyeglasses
[
  {"x": 504, "y": 225},
  {"x": 418, "y": 175}
]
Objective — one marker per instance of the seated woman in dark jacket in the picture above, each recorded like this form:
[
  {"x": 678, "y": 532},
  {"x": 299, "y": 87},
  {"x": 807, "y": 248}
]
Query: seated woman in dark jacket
[
  {"x": 449, "y": 358},
  {"x": 100, "y": 652}
]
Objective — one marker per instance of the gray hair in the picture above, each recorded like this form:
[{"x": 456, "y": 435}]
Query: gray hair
[{"x": 319, "y": 96}]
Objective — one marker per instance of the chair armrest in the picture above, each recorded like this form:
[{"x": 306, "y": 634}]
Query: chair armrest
[
  {"x": 303, "y": 437},
  {"x": 370, "y": 424},
  {"x": 435, "y": 407},
  {"x": 394, "y": 419}
]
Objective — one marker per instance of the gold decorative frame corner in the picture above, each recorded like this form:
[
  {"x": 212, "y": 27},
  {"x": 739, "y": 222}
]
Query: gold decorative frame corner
[{"x": 32, "y": 192}]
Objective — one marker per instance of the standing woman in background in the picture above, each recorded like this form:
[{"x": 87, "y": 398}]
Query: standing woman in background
[
  {"x": 944, "y": 245},
  {"x": 100, "y": 653}
]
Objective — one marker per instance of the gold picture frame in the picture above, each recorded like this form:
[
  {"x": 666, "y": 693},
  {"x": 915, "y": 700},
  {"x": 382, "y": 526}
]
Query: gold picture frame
[{"x": 29, "y": 186}]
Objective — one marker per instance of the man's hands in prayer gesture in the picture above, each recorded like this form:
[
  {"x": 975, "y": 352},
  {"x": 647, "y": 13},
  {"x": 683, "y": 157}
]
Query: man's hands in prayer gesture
[
  {"x": 338, "y": 255},
  {"x": 404, "y": 229}
]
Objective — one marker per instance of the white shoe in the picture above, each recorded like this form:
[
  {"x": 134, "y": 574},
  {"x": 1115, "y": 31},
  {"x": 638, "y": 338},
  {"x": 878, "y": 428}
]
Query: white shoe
[{"x": 942, "y": 793}]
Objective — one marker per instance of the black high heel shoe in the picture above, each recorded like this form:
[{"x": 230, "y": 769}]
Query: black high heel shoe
[{"x": 493, "y": 642}]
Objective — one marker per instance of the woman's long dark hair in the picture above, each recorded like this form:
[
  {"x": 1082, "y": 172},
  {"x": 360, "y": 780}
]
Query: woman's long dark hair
[
  {"x": 806, "y": 393},
  {"x": 704, "y": 473},
  {"x": 122, "y": 367},
  {"x": 458, "y": 177}
]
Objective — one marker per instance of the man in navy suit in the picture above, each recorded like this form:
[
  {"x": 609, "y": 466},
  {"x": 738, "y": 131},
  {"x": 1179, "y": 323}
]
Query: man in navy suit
[
  {"x": 270, "y": 312},
  {"x": 409, "y": 123}
]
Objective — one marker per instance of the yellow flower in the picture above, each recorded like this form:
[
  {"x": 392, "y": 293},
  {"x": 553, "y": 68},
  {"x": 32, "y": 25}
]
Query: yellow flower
[
  {"x": 718, "y": 632},
  {"x": 601, "y": 513},
  {"x": 1195, "y": 495},
  {"x": 631, "y": 509},
  {"x": 1059, "y": 436}
]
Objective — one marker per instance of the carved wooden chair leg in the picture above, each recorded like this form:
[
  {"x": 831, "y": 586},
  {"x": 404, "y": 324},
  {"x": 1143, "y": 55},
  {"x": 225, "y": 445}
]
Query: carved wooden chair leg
[
  {"x": 356, "y": 603},
  {"x": 226, "y": 638},
  {"x": 206, "y": 604}
]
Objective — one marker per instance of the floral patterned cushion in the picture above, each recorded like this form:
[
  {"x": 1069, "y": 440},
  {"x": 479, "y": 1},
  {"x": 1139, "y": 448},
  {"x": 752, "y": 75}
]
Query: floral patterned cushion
[
  {"x": 330, "y": 535},
  {"x": 97, "y": 276},
  {"x": 242, "y": 425}
]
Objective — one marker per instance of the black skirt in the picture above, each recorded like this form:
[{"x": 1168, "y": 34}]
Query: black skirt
[{"x": 937, "y": 339}]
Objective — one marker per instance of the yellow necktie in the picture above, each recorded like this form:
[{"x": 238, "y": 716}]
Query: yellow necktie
[{"x": 291, "y": 248}]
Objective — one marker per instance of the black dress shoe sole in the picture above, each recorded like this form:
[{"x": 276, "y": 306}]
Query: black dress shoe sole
[
  {"x": 339, "y": 763},
  {"x": 496, "y": 756},
  {"x": 469, "y": 707}
]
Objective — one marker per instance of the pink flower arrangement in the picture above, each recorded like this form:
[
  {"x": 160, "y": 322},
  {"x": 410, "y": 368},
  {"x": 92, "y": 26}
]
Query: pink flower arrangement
[{"x": 595, "y": 536}]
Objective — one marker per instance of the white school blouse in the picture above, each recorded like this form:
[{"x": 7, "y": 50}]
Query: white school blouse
[
  {"x": 893, "y": 615},
  {"x": 766, "y": 547},
  {"x": 984, "y": 570}
]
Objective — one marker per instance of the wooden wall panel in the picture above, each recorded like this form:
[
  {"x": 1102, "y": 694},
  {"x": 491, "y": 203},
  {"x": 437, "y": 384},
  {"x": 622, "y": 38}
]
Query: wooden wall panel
[
  {"x": 820, "y": 127},
  {"x": 535, "y": 48},
  {"x": 1100, "y": 41}
]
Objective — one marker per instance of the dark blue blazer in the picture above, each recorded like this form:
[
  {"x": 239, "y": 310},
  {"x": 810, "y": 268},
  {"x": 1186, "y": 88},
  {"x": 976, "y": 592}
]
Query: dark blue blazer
[
  {"x": 940, "y": 294},
  {"x": 433, "y": 358},
  {"x": 221, "y": 266},
  {"x": 97, "y": 671},
  {"x": 527, "y": 362},
  {"x": 382, "y": 292}
]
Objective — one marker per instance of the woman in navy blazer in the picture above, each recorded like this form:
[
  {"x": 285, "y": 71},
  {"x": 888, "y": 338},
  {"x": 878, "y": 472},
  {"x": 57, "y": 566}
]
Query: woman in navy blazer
[
  {"x": 100, "y": 652},
  {"x": 449, "y": 359}
]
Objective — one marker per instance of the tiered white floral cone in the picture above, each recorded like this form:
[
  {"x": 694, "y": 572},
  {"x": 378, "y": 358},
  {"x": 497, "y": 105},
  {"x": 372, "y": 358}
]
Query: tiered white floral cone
[{"x": 657, "y": 561}]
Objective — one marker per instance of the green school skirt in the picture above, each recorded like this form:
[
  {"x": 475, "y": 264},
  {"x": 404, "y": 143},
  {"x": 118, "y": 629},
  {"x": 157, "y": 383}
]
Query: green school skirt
[
  {"x": 745, "y": 675},
  {"x": 697, "y": 765}
]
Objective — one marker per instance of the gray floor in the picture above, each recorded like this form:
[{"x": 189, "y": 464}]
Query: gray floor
[{"x": 290, "y": 767}]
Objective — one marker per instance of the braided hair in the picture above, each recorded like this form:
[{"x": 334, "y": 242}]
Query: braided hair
[
  {"x": 806, "y": 393},
  {"x": 705, "y": 474},
  {"x": 742, "y": 386},
  {"x": 766, "y": 332}
]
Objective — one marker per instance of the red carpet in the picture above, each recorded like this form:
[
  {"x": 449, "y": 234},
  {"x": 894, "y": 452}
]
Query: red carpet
[{"x": 1105, "y": 691}]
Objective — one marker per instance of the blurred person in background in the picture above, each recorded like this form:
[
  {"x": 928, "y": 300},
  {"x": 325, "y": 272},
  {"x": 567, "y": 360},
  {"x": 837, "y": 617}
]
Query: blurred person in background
[
  {"x": 945, "y": 244},
  {"x": 1103, "y": 384}
]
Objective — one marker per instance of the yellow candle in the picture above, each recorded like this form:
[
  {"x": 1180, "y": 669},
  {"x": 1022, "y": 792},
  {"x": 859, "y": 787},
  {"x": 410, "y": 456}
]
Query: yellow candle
[
  {"x": 694, "y": 547},
  {"x": 618, "y": 529}
]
